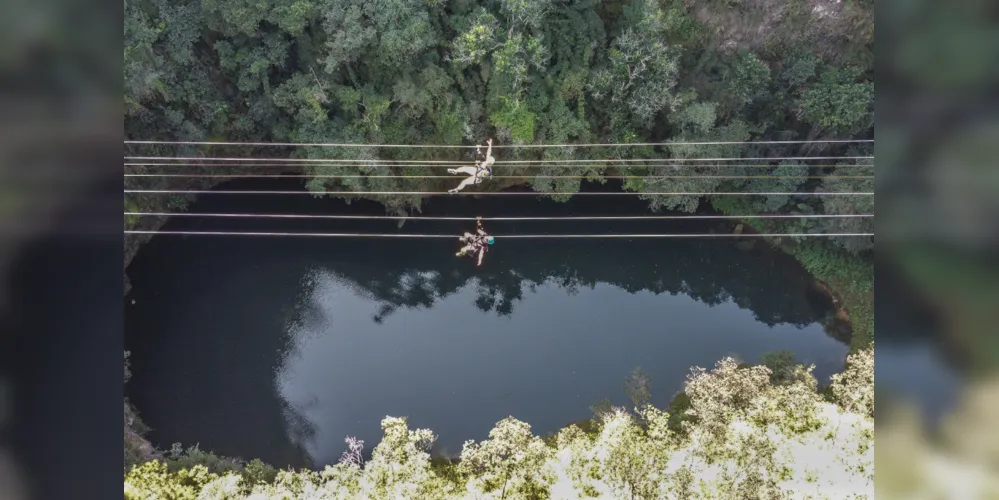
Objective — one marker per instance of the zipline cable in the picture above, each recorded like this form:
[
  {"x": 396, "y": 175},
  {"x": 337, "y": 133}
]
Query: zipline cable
[
  {"x": 488, "y": 193},
  {"x": 338, "y": 165},
  {"x": 498, "y": 162},
  {"x": 495, "y": 146},
  {"x": 362, "y": 176},
  {"x": 495, "y": 219},
  {"x": 507, "y": 236}
]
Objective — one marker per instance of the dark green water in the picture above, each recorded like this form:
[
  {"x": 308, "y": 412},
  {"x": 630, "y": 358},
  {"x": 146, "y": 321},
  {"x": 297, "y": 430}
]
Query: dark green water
[{"x": 278, "y": 348}]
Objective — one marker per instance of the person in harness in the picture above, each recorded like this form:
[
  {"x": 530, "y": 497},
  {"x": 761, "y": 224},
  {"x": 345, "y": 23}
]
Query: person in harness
[
  {"x": 482, "y": 169},
  {"x": 476, "y": 243}
]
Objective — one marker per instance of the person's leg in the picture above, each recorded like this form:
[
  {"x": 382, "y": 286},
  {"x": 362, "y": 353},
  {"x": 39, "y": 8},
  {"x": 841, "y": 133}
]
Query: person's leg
[
  {"x": 462, "y": 170},
  {"x": 465, "y": 183},
  {"x": 464, "y": 250},
  {"x": 482, "y": 251}
]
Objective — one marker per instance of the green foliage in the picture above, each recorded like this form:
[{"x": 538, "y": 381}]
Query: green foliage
[
  {"x": 838, "y": 102},
  {"x": 413, "y": 71},
  {"x": 447, "y": 468},
  {"x": 518, "y": 119},
  {"x": 179, "y": 458},
  {"x": 642, "y": 68},
  {"x": 133, "y": 453},
  {"x": 141, "y": 77},
  {"x": 526, "y": 13},
  {"x": 698, "y": 117},
  {"x": 136, "y": 449},
  {"x": 750, "y": 77},
  {"x": 785, "y": 178},
  {"x": 677, "y": 410},
  {"x": 799, "y": 69},
  {"x": 382, "y": 33},
  {"x": 844, "y": 179},
  {"x": 851, "y": 278},
  {"x": 152, "y": 480},
  {"x": 257, "y": 472},
  {"x": 681, "y": 176},
  {"x": 214, "y": 69},
  {"x": 781, "y": 365},
  {"x": 478, "y": 40}
]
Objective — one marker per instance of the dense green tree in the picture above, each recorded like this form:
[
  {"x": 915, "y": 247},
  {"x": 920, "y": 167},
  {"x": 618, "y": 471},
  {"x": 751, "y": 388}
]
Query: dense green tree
[
  {"x": 844, "y": 179},
  {"x": 787, "y": 177},
  {"x": 414, "y": 71},
  {"x": 839, "y": 102},
  {"x": 683, "y": 173},
  {"x": 750, "y": 77},
  {"x": 641, "y": 68},
  {"x": 798, "y": 69},
  {"x": 781, "y": 365}
]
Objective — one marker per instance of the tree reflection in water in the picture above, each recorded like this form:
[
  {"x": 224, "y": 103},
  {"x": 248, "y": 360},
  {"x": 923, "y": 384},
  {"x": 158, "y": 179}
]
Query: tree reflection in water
[{"x": 769, "y": 284}]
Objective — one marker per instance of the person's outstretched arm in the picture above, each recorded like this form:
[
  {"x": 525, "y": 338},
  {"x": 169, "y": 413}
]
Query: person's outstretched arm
[{"x": 489, "y": 149}]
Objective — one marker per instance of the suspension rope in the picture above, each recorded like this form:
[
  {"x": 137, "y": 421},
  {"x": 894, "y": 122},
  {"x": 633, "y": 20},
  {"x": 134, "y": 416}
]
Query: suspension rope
[
  {"x": 579, "y": 165},
  {"x": 488, "y": 193},
  {"x": 362, "y": 176},
  {"x": 464, "y": 162},
  {"x": 507, "y": 236},
  {"x": 495, "y": 146},
  {"x": 495, "y": 219}
]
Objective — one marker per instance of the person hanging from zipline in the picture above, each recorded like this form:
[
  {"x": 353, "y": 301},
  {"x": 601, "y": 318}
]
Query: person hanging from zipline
[
  {"x": 482, "y": 169},
  {"x": 475, "y": 243}
]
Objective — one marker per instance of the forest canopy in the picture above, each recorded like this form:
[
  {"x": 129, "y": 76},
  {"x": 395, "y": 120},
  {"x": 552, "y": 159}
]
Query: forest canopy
[
  {"x": 524, "y": 72},
  {"x": 444, "y": 72}
]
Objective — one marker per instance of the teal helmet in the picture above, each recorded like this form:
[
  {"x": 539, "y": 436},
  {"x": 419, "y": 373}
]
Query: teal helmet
[{"x": 490, "y": 240}]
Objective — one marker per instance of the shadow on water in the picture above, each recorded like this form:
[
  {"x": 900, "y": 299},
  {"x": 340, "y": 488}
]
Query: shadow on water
[{"x": 279, "y": 347}]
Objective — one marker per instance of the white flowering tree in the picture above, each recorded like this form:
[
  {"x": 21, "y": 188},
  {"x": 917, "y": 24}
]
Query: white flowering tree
[
  {"x": 577, "y": 466},
  {"x": 752, "y": 439},
  {"x": 854, "y": 388},
  {"x": 512, "y": 461},
  {"x": 400, "y": 464},
  {"x": 632, "y": 461},
  {"x": 748, "y": 438},
  {"x": 719, "y": 396}
]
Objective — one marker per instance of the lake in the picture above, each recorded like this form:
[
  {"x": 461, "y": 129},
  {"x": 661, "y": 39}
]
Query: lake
[{"x": 278, "y": 348}]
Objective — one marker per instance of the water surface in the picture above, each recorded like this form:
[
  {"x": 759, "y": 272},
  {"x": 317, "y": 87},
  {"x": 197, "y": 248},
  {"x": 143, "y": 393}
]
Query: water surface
[{"x": 279, "y": 348}]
